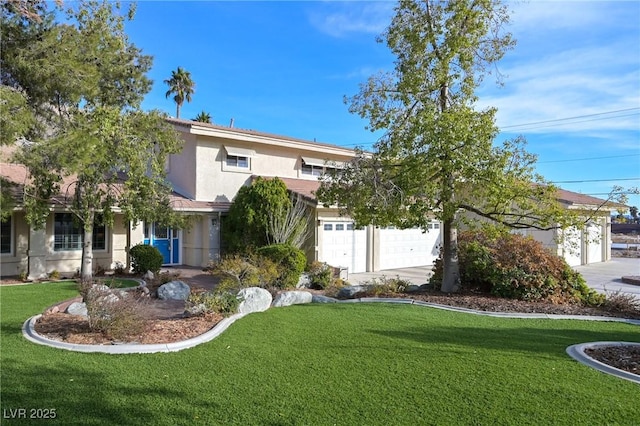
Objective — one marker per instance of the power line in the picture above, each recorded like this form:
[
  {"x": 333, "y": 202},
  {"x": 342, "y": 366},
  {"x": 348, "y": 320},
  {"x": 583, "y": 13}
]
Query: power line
[
  {"x": 576, "y": 117},
  {"x": 576, "y": 122},
  {"x": 596, "y": 180},
  {"x": 588, "y": 158},
  {"x": 558, "y": 121}
]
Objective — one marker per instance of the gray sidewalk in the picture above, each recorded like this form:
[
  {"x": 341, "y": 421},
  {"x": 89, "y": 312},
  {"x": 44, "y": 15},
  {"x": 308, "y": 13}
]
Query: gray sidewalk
[{"x": 604, "y": 277}]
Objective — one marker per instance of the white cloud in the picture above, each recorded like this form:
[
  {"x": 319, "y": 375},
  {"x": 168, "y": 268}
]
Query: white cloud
[
  {"x": 340, "y": 19},
  {"x": 575, "y": 59}
]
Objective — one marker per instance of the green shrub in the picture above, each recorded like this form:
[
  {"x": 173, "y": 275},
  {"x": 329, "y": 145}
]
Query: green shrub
[
  {"x": 290, "y": 261},
  {"x": 320, "y": 275},
  {"x": 236, "y": 271},
  {"x": 219, "y": 301},
  {"x": 145, "y": 258},
  {"x": 517, "y": 267}
]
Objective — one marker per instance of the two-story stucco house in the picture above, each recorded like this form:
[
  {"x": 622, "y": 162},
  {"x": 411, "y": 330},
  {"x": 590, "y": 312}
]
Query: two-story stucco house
[{"x": 215, "y": 163}]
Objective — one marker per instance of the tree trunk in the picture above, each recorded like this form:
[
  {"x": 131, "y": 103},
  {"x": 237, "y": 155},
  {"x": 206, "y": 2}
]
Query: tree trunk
[
  {"x": 177, "y": 110},
  {"x": 451, "y": 268},
  {"x": 86, "y": 271}
]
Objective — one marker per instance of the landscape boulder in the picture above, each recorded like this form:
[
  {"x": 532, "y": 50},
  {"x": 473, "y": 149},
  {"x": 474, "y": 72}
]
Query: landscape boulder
[
  {"x": 289, "y": 298},
  {"x": 254, "y": 299},
  {"x": 318, "y": 298},
  {"x": 351, "y": 291},
  {"x": 174, "y": 290},
  {"x": 77, "y": 308},
  {"x": 304, "y": 281},
  {"x": 412, "y": 288},
  {"x": 148, "y": 276}
]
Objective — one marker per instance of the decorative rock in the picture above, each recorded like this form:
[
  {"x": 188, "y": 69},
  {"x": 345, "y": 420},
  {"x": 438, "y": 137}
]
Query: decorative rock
[
  {"x": 98, "y": 290},
  {"x": 195, "y": 310},
  {"x": 289, "y": 298},
  {"x": 304, "y": 281},
  {"x": 174, "y": 290},
  {"x": 148, "y": 276},
  {"x": 318, "y": 298},
  {"x": 351, "y": 291},
  {"x": 77, "y": 308},
  {"x": 254, "y": 299},
  {"x": 412, "y": 288}
]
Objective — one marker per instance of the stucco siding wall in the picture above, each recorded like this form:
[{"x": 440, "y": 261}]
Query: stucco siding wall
[
  {"x": 182, "y": 168},
  {"x": 12, "y": 264}
]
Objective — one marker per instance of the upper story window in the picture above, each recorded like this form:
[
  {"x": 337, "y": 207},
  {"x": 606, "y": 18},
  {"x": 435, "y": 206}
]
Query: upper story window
[
  {"x": 313, "y": 167},
  {"x": 6, "y": 235},
  {"x": 68, "y": 234},
  {"x": 238, "y": 158},
  {"x": 237, "y": 161}
]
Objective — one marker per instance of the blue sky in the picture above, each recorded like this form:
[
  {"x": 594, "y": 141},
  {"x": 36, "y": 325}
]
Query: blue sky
[{"x": 572, "y": 85}]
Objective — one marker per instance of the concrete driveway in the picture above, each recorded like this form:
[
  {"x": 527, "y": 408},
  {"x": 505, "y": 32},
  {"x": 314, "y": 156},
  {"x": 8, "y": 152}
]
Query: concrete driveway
[{"x": 604, "y": 277}]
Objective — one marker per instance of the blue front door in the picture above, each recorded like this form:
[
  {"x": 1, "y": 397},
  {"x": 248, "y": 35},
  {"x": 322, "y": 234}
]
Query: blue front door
[
  {"x": 162, "y": 241},
  {"x": 166, "y": 240}
]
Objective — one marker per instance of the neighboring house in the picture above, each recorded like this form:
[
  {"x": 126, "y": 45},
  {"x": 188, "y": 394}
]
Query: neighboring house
[
  {"x": 214, "y": 164},
  {"x": 592, "y": 243}
]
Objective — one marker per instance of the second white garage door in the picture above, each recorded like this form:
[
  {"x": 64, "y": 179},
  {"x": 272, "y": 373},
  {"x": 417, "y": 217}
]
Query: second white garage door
[
  {"x": 344, "y": 246},
  {"x": 405, "y": 248}
]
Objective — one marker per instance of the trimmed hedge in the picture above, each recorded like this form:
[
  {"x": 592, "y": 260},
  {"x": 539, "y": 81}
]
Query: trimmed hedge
[
  {"x": 290, "y": 260},
  {"x": 145, "y": 258},
  {"x": 517, "y": 267}
]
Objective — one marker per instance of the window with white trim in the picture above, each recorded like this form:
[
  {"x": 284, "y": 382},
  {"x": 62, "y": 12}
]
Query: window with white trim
[
  {"x": 68, "y": 234},
  {"x": 6, "y": 236},
  {"x": 314, "y": 167},
  {"x": 238, "y": 159},
  {"x": 311, "y": 170}
]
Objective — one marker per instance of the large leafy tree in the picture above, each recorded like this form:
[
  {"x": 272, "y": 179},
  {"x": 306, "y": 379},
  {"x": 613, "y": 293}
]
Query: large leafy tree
[
  {"x": 89, "y": 147},
  {"x": 437, "y": 158},
  {"x": 181, "y": 86}
]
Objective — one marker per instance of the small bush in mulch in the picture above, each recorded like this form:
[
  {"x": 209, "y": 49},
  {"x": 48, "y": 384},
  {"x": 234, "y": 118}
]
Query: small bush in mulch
[
  {"x": 290, "y": 260},
  {"x": 145, "y": 258},
  {"x": 115, "y": 314},
  {"x": 238, "y": 271}
]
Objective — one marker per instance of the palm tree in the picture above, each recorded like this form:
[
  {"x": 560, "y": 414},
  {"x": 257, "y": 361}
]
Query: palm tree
[
  {"x": 181, "y": 86},
  {"x": 203, "y": 117}
]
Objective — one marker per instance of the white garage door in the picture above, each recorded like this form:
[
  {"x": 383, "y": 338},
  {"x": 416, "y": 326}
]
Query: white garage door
[
  {"x": 344, "y": 246},
  {"x": 572, "y": 246},
  {"x": 405, "y": 248},
  {"x": 594, "y": 242}
]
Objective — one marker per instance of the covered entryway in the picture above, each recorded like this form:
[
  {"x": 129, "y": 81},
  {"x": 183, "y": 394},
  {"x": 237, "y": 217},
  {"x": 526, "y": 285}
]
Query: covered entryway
[
  {"x": 166, "y": 240},
  {"x": 344, "y": 246},
  {"x": 404, "y": 248}
]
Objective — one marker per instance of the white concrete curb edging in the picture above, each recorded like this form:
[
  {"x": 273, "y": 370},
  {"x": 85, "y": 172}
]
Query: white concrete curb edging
[
  {"x": 29, "y": 332},
  {"x": 578, "y": 353}
]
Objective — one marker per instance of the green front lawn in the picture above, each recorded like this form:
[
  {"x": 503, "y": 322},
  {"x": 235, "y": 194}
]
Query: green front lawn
[{"x": 357, "y": 364}]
